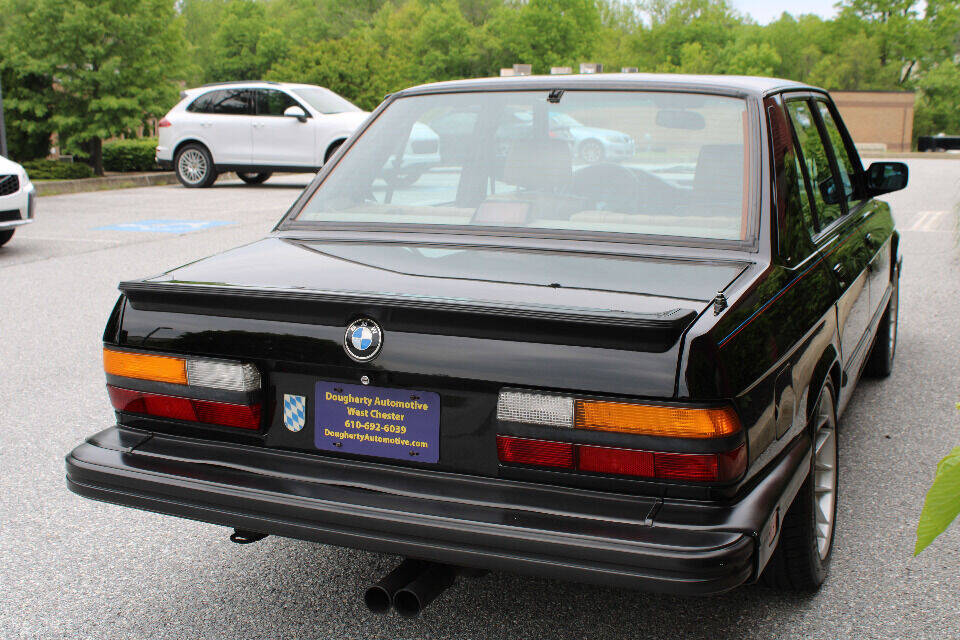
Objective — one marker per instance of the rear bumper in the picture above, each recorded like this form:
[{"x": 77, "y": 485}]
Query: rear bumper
[{"x": 572, "y": 534}]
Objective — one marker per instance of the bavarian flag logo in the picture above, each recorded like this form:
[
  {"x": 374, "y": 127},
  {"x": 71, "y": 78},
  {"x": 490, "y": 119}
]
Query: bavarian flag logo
[{"x": 294, "y": 412}]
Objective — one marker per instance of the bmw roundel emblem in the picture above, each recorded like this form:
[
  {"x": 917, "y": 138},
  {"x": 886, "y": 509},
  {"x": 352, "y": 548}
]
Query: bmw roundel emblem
[{"x": 363, "y": 339}]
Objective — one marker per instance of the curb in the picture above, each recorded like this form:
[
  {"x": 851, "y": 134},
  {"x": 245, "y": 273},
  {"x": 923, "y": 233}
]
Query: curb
[{"x": 58, "y": 187}]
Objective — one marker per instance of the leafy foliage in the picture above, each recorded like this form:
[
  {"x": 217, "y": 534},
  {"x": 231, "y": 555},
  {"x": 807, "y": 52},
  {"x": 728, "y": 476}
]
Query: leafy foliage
[
  {"x": 107, "y": 65},
  {"x": 138, "y": 154},
  {"x": 56, "y": 170},
  {"x": 94, "y": 69},
  {"x": 942, "y": 504}
]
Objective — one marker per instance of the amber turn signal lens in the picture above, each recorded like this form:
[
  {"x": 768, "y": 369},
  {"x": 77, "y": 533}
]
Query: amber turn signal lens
[
  {"x": 145, "y": 367},
  {"x": 670, "y": 422}
]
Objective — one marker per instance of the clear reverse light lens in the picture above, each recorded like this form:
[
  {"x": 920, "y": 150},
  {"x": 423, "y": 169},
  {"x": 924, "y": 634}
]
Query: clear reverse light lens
[
  {"x": 535, "y": 408},
  {"x": 223, "y": 375}
]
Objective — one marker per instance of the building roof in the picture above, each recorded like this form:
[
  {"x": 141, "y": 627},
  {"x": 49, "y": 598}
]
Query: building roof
[{"x": 746, "y": 85}]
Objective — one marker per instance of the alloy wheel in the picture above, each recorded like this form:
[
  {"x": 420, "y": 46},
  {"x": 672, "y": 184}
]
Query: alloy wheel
[
  {"x": 192, "y": 166},
  {"x": 825, "y": 474},
  {"x": 892, "y": 320}
]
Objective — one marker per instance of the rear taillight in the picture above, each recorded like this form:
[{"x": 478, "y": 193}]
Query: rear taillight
[
  {"x": 164, "y": 123},
  {"x": 189, "y": 409},
  {"x": 628, "y": 419},
  {"x": 197, "y": 376},
  {"x": 698, "y": 467},
  {"x": 624, "y": 417},
  {"x": 196, "y": 372},
  {"x": 540, "y": 453}
]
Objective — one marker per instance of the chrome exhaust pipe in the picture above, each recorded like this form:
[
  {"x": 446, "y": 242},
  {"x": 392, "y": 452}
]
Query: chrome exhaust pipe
[
  {"x": 380, "y": 596},
  {"x": 415, "y": 596}
]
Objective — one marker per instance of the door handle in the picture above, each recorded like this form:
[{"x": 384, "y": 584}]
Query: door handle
[{"x": 838, "y": 270}]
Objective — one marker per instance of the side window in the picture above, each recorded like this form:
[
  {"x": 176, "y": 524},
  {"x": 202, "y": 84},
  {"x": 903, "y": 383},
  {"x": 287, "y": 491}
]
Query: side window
[
  {"x": 204, "y": 104},
  {"x": 234, "y": 102},
  {"x": 847, "y": 172},
  {"x": 826, "y": 195},
  {"x": 271, "y": 102},
  {"x": 795, "y": 221}
]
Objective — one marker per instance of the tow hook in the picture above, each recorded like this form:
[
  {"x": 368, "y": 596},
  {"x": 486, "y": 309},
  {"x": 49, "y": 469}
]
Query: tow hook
[
  {"x": 242, "y": 536},
  {"x": 410, "y": 587}
]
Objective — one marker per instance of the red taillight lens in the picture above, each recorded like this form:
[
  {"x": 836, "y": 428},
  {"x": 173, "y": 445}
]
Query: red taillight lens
[
  {"x": 541, "y": 453},
  {"x": 625, "y": 462},
  {"x": 686, "y": 466},
  {"x": 698, "y": 467},
  {"x": 189, "y": 409},
  {"x": 164, "y": 123}
]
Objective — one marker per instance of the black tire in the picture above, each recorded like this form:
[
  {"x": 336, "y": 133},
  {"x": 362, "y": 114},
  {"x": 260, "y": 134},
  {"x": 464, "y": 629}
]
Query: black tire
[
  {"x": 5, "y": 236},
  {"x": 880, "y": 364},
  {"x": 332, "y": 149},
  {"x": 802, "y": 557},
  {"x": 254, "y": 178},
  {"x": 194, "y": 166},
  {"x": 591, "y": 151}
]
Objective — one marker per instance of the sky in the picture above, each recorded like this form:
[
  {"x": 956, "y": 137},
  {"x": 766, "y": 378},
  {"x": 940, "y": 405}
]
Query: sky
[{"x": 764, "y": 11}]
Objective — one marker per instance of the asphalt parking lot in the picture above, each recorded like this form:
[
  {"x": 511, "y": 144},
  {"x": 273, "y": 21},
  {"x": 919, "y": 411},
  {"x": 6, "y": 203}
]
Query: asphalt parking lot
[{"x": 73, "y": 568}]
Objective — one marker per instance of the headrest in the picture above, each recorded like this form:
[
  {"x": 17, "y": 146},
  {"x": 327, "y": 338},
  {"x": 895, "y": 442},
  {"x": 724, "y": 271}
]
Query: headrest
[
  {"x": 544, "y": 164},
  {"x": 719, "y": 177}
]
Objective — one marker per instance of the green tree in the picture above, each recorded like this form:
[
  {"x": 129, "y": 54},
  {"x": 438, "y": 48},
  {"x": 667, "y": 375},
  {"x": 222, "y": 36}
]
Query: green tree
[
  {"x": 351, "y": 66},
  {"x": 938, "y": 107},
  {"x": 108, "y": 65},
  {"x": 245, "y": 45},
  {"x": 547, "y": 33}
]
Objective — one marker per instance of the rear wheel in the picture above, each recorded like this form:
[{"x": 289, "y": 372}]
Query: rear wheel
[
  {"x": 254, "y": 178},
  {"x": 194, "y": 166},
  {"x": 880, "y": 364},
  {"x": 802, "y": 556},
  {"x": 5, "y": 236}
]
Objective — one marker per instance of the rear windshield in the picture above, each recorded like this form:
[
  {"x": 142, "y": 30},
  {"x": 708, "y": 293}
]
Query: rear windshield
[{"x": 666, "y": 164}]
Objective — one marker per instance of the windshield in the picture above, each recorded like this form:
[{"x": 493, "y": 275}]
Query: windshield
[
  {"x": 324, "y": 100},
  {"x": 668, "y": 164}
]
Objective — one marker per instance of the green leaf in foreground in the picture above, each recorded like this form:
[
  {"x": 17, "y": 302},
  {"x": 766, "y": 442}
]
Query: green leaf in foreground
[{"x": 942, "y": 504}]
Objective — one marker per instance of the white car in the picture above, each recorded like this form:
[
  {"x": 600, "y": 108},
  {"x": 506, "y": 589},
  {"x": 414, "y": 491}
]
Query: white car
[
  {"x": 17, "y": 198},
  {"x": 254, "y": 129}
]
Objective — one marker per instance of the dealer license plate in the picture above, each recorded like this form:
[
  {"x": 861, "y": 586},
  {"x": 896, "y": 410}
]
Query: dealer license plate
[{"x": 377, "y": 421}]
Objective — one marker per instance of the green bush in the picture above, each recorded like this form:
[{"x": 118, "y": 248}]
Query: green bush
[
  {"x": 56, "y": 170},
  {"x": 130, "y": 155}
]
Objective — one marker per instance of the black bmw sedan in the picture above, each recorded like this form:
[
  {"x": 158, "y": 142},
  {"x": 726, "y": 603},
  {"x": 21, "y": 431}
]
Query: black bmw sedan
[{"x": 627, "y": 370}]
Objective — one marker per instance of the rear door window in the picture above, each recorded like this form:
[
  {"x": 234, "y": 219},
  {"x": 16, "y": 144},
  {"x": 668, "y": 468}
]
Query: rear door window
[
  {"x": 816, "y": 160},
  {"x": 225, "y": 102},
  {"x": 845, "y": 163}
]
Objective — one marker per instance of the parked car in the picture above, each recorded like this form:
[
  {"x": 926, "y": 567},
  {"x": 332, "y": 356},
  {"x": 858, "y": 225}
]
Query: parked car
[
  {"x": 255, "y": 129},
  {"x": 621, "y": 374},
  {"x": 17, "y": 199},
  {"x": 589, "y": 144}
]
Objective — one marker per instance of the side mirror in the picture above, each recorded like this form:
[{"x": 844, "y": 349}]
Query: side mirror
[
  {"x": 884, "y": 177},
  {"x": 295, "y": 112},
  {"x": 828, "y": 191}
]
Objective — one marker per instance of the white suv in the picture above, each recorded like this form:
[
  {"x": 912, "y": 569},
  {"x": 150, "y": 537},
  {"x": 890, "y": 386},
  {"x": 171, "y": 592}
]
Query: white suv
[{"x": 255, "y": 129}]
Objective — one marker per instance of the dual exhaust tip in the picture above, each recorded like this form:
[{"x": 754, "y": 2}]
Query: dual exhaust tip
[{"x": 410, "y": 587}]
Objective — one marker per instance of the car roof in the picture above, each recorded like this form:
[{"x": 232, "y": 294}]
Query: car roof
[
  {"x": 254, "y": 84},
  {"x": 738, "y": 85}
]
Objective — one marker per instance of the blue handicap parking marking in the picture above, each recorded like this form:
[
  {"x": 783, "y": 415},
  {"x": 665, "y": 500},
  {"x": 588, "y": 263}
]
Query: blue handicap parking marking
[{"x": 164, "y": 226}]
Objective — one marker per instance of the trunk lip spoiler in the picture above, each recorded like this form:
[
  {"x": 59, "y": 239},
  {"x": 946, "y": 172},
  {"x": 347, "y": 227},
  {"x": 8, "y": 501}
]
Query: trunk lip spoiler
[{"x": 674, "y": 319}]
